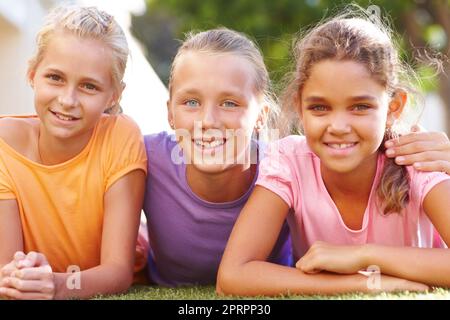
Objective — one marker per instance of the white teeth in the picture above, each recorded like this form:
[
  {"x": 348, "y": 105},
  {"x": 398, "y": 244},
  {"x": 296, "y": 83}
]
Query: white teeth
[
  {"x": 211, "y": 144},
  {"x": 63, "y": 117},
  {"x": 340, "y": 145}
]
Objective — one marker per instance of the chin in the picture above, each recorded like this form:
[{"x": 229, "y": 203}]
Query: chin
[{"x": 210, "y": 168}]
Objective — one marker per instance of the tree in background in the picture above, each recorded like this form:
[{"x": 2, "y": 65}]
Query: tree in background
[{"x": 422, "y": 24}]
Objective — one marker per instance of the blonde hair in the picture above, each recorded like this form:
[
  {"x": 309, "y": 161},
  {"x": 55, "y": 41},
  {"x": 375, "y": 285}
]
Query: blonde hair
[
  {"x": 354, "y": 37},
  {"x": 223, "y": 40},
  {"x": 86, "y": 22}
]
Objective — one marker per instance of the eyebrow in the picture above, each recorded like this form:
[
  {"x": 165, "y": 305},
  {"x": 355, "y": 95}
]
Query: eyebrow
[
  {"x": 84, "y": 79},
  {"x": 315, "y": 99},
  {"x": 197, "y": 92}
]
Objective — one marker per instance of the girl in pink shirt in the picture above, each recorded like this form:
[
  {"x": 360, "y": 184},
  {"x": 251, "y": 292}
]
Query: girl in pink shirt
[{"x": 348, "y": 206}]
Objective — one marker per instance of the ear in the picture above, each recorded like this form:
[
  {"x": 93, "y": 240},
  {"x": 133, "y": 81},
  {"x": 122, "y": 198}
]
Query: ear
[
  {"x": 396, "y": 105},
  {"x": 263, "y": 116},
  {"x": 30, "y": 77},
  {"x": 116, "y": 96},
  {"x": 169, "y": 115}
]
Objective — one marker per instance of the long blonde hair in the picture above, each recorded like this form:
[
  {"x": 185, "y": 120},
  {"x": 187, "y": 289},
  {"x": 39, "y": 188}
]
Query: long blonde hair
[
  {"x": 86, "y": 22},
  {"x": 353, "y": 37}
]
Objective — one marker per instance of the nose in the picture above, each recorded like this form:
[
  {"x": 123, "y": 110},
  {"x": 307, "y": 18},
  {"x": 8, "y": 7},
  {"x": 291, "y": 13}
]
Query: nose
[
  {"x": 340, "y": 124},
  {"x": 68, "y": 98},
  {"x": 210, "y": 117}
]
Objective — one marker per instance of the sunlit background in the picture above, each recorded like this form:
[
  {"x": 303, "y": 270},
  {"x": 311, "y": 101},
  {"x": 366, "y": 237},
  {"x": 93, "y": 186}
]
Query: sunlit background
[{"x": 153, "y": 27}]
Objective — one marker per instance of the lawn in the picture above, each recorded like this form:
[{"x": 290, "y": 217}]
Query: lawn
[{"x": 208, "y": 293}]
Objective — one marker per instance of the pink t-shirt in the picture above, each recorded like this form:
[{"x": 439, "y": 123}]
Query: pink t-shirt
[{"x": 292, "y": 171}]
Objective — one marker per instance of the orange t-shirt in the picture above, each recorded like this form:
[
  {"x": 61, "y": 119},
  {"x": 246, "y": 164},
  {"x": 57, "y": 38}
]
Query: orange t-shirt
[{"x": 61, "y": 206}]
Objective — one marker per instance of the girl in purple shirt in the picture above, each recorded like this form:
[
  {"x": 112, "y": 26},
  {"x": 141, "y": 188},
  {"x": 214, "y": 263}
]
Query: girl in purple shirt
[{"x": 201, "y": 177}]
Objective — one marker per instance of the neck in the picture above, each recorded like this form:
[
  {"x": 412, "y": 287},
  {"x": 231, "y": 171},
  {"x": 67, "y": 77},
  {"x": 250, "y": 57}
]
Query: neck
[
  {"x": 355, "y": 184},
  {"x": 224, "y": 186},
  {"x": 53, "y": 150}
]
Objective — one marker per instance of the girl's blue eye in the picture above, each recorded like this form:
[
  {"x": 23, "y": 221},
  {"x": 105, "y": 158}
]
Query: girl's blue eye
[
  {"x": 229, "y": 104},
  {"x": 192, "y": 103}
]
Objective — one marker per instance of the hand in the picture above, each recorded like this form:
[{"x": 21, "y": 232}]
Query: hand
[
  {"x": 322, "y": 256},
  {"x": 7, "y": 269},
  {"x": 31, "y": 279},
  {"x": 427, "y": 151}
]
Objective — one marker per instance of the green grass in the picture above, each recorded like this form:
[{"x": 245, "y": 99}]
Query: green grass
[{"x": 208, "y": 293}]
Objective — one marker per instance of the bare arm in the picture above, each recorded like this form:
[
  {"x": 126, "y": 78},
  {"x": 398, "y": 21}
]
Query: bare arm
[
  {"x": 429, "y": 266},
  {"x": 123, "y": 203},
  {"x": 244, "y": 270},
  {"x": 10, "y": 231}
]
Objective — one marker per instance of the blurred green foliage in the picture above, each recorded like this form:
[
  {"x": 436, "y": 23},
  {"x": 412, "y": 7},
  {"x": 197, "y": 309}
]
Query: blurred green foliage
[
  {"x": 273, "y": 24},
  {"x": 419, "y": 25}
]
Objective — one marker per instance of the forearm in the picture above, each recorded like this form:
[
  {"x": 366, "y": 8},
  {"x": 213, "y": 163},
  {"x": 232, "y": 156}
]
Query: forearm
[
  {"x": 429, "y": 266},
  {"x": 264, "y": 278},
  {"x": 103, "y": 279}
]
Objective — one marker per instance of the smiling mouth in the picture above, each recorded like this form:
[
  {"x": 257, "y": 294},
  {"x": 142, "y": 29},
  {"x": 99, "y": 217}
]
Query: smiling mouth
[
  {"x": 209, "y": 144},
  {"x": 64, "y": 116},
  {"x": 340, "y": 146}
]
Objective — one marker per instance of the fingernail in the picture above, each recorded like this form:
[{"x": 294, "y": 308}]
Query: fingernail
[
  {"x": 417, "y": 165},
  {"x": 389, "y": 144},
  {"x": 399, "y": 159},
  {"x": 390, "y": 152}
]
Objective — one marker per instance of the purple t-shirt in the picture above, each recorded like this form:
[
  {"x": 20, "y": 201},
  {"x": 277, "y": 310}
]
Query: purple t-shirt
[{"x": 187, "y": 234}]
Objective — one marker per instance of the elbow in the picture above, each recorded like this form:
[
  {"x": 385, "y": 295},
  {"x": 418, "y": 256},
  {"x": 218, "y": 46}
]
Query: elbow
[
  {"x": 227, "y": 281},
  {"x": 123, "y": 279}
]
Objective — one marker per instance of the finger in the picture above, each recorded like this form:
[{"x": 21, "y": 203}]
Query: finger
[
  {"x": 12, "y": 293},
  {"x": 33, "y": 259},
  {"x": 427, "y": 156},
  {"x": 306, "y": 266},
  {"x": 417, "y": 137},
  {"x": 29, "y": 285},
  {"x": 37, "y": 273},
  {"x": 416, "y": 128},
  {"x": 418, "y": 147},
  {"x": 19, "y": 255},
  {"x": 437, "y": 166},
  {"x": 8, "y": 269}
]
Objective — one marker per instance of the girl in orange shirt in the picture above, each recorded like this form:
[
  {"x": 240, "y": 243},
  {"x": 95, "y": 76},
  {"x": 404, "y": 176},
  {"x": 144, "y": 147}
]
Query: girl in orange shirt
[{"x": 72, "y": 177}]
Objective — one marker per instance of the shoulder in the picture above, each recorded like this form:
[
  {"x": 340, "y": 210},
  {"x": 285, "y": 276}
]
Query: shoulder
[
  {"x": 290, "y": 146},
  {"x": 18, "y": 132},
  {"x": 120, "y": 122},
  {"x": 158, "y": 140},
  {"x": 421, "y": 182}
]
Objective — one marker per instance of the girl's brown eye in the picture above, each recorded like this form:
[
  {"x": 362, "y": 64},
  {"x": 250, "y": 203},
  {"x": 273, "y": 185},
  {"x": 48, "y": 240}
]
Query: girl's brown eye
[
  {"x": 53, "y": 77},
  {"x": 90, "y": 86},
  {"x": 229, "y": 104}
]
